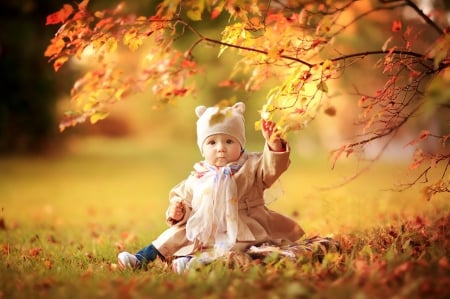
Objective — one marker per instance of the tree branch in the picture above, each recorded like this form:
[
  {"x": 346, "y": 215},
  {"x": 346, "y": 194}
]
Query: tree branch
[
  {"x": 413, "y": 5},
  {"x": 424, "y": 17}
]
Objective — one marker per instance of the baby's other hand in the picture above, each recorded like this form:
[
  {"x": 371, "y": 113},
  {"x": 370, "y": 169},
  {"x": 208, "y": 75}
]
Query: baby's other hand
[{"x": 176, "y": 211}]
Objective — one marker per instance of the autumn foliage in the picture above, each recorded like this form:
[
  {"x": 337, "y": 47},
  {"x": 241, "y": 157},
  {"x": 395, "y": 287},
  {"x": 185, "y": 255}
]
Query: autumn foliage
[{"x": 293, "y": 44}]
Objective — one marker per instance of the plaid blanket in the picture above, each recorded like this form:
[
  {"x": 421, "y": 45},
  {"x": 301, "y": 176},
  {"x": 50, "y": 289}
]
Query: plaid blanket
[{"x": 315, "y": 247}]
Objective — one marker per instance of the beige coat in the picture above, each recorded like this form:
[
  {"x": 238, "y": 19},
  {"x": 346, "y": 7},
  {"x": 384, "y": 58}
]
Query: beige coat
[{"x": 256, "y": 223}]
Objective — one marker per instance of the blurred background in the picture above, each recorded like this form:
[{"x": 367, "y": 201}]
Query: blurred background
[{"x": 121, "y": 169}]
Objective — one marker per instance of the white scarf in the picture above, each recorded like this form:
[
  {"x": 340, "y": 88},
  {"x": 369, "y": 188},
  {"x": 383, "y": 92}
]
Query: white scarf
[{"x": 214, "y": 215}]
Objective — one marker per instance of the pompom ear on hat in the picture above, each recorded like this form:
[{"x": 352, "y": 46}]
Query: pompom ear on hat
[
  {"x": 199, "y": 110},
  {"x": 215, "y": 120}
]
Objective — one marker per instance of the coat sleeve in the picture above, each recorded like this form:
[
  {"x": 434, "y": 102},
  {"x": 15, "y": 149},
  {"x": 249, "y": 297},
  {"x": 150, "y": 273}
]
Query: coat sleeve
[
  {"x": 183, "y": 193},
  {"x": 273, "y": 164}
]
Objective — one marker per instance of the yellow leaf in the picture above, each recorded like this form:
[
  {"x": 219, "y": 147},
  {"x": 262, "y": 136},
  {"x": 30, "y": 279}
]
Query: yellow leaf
[
  {"x": 88, "y": 106},
  {"x": 267, "y": 111},
  {"x": 99, "y": 14},
  {"x": 216, "y": 118},
  {"x": 99, "y": 115},
  {"x": 258, "y": 125},
  {"x": 231, "y": 34},
  {"x": 97, "y": 43},
  {"x": 141, "y": 20},
  {"x": 119, "y": 93},
  {"x": 131, "y": 40},
  {"x": 111, "y": 45},
  {"x": 327, "y": 64},
  {"x": 274, "y": 53},
  {"x": 197, "y": 7},
  {"x": 322, "y": 86}
]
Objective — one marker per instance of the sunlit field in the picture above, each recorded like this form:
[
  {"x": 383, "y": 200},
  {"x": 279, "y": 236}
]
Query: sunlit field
[{"x": 65, "y": 218}]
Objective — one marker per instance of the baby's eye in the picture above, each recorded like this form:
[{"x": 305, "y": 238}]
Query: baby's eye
[
  {"x": 230, "y": 141},
  {"x": 211, "y": 142}
]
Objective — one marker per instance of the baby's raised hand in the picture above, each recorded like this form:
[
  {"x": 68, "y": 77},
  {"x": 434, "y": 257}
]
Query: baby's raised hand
[
  {"x": 176, "y": 211},
  {"x": 272, "y": 135}
]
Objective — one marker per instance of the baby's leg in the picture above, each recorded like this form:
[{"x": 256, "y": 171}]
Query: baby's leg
[{"x": 148, "y": 254}]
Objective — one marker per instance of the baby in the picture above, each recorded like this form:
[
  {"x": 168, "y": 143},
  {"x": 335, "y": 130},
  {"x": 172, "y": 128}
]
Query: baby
[{"x": 220, "y": 207}]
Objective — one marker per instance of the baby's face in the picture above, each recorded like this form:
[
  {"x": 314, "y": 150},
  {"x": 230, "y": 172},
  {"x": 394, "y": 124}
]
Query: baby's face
[{"x": 221, "y": 149}]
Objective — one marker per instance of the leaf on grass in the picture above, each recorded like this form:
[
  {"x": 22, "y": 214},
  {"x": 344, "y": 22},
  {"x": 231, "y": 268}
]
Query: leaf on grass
[
  {"x": 35, "y": 251},
  {"x": 48, "y": 264}
]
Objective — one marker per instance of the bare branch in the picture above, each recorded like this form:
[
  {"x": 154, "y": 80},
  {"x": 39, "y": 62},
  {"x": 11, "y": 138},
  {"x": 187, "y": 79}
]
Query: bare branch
[
  {"x": 425, "y": 17},
  {"x": 363, "y": 170}
]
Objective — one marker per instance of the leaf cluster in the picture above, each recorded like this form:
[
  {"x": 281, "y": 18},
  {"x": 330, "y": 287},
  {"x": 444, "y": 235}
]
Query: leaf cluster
[{"x": 292, "y": 46}]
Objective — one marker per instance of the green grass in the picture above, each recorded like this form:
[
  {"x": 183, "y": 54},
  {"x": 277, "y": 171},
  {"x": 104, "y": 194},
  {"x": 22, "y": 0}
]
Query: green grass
[{"x": 67, "y": 217}]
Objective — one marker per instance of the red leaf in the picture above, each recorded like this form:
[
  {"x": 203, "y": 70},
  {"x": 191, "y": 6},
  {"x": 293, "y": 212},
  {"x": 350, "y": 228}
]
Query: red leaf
[
  {"x": 317, "y": 42},
  {"x": 216, "y": 12},
  {"x": 186, "y": 63},
  {"x": 422, "y": 136},
  {"x": 396, "y": 26},
  {"x": 226, "y": 83},
  {"x": 299, "y": 111},
  {"x": 60, "y": 16},
  {"x": 180, "y": 91}
]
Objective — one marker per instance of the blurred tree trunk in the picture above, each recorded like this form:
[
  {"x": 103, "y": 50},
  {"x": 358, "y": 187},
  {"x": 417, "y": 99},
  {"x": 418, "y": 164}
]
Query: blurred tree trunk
[{"x": 29, "y": 92}]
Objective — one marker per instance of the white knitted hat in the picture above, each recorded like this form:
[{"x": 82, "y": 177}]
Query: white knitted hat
[{"x": 215, "y": 120}]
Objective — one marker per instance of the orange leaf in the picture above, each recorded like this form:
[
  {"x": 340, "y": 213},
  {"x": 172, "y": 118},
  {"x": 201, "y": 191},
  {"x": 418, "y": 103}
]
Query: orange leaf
[
  {"x": 226, "y": 83},
  {"x": 55, "y": 47},
  {"x": 60, "y": 16},
  {"x": 35, "y": 251},
  {"x": 48, "y": 264},
  {"x": 59, "y": 62},
  {"x": 186, "y": 63},
  {"x": 83, "y": 4}
]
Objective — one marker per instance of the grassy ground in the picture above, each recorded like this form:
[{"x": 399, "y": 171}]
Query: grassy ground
[{"x": 64, "y": 219}]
